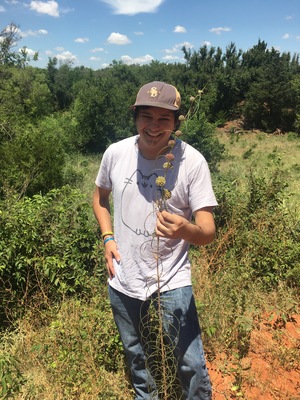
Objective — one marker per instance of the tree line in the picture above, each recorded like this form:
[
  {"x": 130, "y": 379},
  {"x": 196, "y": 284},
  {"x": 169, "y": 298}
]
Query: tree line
[{"x": 47, "y": 113}]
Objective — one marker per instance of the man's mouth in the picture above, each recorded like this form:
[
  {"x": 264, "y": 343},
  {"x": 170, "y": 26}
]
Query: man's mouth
[{"x": 154, "y": 135}]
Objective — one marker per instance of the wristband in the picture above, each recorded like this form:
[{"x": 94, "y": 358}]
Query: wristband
[
  {"x": 108, "y": 239},
  {"x": 106, "y": 233}
]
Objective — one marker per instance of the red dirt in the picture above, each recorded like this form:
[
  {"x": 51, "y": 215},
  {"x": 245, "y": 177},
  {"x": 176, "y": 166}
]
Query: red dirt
[{"x": 271, "y": 369}]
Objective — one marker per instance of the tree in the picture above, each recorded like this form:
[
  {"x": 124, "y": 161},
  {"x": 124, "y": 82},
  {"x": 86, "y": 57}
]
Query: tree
[
  {"x": 9, "y": 37},
  {"x": 33, "y": 162},
  {"x": 271, "y": 100},
  {"x": 24, "y": 98}
]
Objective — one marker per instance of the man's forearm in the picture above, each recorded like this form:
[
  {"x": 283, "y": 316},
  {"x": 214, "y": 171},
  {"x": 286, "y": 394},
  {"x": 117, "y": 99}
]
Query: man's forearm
[{"x": 101, "y": 209}]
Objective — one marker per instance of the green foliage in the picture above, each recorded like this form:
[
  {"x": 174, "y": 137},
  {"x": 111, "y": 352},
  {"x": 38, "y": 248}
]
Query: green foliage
[
  {"x": 25, "y": 96},
  {"x": 33, "y": 161},
  {"x": 102, "y": 112},
  {"x": 48, "y": 248},
  {"x": 271, "y": 100},
  {"x": 72, "y": 350},
  {"x": 82, "y": 336},
  {"x": 9, "y": 36},
  {"x": 262, "y": 234},
  {"x": 201, "y": 134},
  {"x": 11, "y": 378}
]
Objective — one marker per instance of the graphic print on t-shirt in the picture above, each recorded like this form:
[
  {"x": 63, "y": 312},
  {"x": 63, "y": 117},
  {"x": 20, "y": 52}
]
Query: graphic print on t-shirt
[
  {"x": 136, "y": 185},
  {"x": 153, "y": 250}
]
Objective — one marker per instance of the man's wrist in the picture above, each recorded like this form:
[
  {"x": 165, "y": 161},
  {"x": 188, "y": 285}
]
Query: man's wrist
[
  {"x": 107, "y": 233},
  {"x": 108, "y": 239}
]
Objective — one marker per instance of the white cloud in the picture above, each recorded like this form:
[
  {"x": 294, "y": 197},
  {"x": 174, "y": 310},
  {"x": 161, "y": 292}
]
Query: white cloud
[
  {"x": 219, "y": 30},
  {"x": 179, "y": 29},
  {"x": 297, "y": 37},
  {"x": 289, "y": 17},
  {"x": 286, "y": 36},
  {"x": 178, "y": 47},
  {"x": 95, "y": 58},
  {"x": 34, "y": 33},
  {"x": 29, "y": 52},
  {"x": 171, "y": 58},
  {"x": 59, "y": 48},
  {"x": 66, "y": 56},
  {"x": 138, "y": 33},
  {"x": 97, "y": 49},
  {"x": 206, "y": 43},
  {"x": 133, "y": 7},
  {"x": 81, "y": 40},
  {"x": 118, "y": 38},
  {"x": 137, "y": 60},
  {"x": 2, "y": 9},
  {"x": 45, "y": 7}
]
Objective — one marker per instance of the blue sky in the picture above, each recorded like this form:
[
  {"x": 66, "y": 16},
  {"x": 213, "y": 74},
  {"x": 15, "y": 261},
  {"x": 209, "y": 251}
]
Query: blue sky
[{"x": 93, "y": 33}]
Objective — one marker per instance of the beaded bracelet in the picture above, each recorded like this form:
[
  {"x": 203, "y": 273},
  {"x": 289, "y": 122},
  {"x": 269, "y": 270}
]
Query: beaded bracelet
[
  {"x": 108, "y": 239},
  {"x": 106, "y": 233}
]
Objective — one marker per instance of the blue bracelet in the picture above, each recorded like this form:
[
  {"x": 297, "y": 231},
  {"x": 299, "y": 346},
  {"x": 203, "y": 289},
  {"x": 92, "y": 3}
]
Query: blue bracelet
[{"x": 108, "y": 239}]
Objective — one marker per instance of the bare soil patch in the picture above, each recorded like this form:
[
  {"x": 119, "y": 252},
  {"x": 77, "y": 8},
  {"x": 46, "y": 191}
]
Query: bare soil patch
[{"x": 271, "y": 369}]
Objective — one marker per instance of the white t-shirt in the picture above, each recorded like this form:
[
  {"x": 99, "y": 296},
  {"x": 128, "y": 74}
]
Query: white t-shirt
[{"x": 149, "y": 263}]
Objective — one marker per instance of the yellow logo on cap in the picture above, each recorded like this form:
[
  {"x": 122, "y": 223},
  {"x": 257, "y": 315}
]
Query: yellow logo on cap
[{"x": 153, "y": 92}]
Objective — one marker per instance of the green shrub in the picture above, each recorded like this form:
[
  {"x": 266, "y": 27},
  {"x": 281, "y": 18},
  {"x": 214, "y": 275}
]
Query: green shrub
[
  {"x": 256, "y": 231},
  {"x": 48, "y": 248},
  {"x": 10, "y": 376},
  {"x": 32, "y": 162},
  {"x": 200, "y": 134}
]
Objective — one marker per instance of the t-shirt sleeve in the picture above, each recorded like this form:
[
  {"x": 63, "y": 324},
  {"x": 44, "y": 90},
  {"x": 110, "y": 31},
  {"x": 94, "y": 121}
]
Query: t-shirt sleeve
[
  {"x": 201, "y": 192},
  {"x": 103, "y": 179}
]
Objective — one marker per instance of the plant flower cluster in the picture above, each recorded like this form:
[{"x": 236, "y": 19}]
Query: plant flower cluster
[{"x": 165, "y": 194}]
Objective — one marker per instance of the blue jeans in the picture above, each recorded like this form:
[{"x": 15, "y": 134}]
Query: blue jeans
[{"x": 182, "y": 332}]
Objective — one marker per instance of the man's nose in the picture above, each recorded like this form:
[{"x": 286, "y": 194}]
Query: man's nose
[{"x": 154, "y": 124}]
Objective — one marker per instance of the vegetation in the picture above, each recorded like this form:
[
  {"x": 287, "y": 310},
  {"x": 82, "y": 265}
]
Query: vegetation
[{"x": 58, "y": 339}]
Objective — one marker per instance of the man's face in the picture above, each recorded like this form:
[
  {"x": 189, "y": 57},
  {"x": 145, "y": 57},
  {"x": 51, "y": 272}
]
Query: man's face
[{"x": 154, "y": 125}]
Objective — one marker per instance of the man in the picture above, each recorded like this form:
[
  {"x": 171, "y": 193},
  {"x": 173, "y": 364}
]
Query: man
[{"x": 163, "y": 201}]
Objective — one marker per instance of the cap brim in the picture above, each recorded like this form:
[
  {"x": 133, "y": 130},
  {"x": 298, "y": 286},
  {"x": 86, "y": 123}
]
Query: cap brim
[{"x": 157, "y": 104}]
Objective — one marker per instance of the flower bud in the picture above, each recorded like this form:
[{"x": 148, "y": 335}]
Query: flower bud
[
  {"x": 167, "y": 165},
  {"x": 170, "y": 156},
  {"x": 166, "y": 194},
  {"x": 160, "y": 181}
]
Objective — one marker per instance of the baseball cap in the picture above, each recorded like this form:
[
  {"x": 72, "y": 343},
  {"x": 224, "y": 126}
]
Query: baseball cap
[{"x": 158, "y": 94}]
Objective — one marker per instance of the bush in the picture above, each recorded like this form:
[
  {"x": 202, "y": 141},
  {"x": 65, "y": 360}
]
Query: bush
[
  {"x": 201, "y": 134},
  {"x": 256, "y": 232},
  {"x": 33, "y": 161},
  {"x": 48, "y": 248},
  {"x": 11, "y": 378}
]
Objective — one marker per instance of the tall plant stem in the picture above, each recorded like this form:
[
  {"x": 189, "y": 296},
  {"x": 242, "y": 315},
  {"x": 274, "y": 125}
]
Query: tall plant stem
[{"x": 160, "y": 320}]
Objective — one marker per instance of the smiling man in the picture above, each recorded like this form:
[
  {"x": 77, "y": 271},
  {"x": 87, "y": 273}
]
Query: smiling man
[{"x": 163, "y": 202}]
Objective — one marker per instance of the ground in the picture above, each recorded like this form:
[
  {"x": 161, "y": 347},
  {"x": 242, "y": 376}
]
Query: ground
[{"x": 271, "y": 369}]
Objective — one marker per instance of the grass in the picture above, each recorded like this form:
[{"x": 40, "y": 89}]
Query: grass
[
  {"x": 259, "y": 151},
  {"x": 72, "y": 351}
]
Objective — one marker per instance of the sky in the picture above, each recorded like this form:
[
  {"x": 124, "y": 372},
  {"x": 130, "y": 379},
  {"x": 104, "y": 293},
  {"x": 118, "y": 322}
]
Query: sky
[{"x": 93, "y": 33}]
